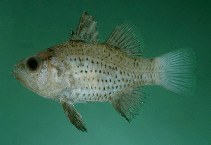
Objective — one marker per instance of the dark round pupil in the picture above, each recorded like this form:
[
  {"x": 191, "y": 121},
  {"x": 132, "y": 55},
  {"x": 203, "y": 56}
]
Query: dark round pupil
[{"x": 32, "y": 63}]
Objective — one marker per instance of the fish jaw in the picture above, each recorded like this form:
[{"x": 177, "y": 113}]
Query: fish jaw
[{"x": 18, "y": 72}]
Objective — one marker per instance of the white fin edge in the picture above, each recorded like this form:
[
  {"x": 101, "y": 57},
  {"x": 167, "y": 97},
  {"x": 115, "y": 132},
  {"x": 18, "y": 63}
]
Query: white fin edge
[{"x": 176, "y": 70}]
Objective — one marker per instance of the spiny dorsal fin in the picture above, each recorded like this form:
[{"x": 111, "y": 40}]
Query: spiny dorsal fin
[
  {"x": 86, "y": 30},
  {"x": 128, "y": 103},
  {"x": 124, "y": 37},
  {"x": 74, "y": 117}
]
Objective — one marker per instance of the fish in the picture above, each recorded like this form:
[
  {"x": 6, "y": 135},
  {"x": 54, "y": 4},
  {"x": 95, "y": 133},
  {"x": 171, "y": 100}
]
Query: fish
[{"x": 83, "y": 69}]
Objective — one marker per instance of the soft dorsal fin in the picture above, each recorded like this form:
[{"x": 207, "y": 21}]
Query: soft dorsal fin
[
  {"x": 124, "y": 37},
  {"x": 128, "y": 102},
  {"x": 86, "y": 30}
]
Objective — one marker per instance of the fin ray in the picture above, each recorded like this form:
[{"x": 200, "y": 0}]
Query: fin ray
[
  {"x": 127, "y": 103},
  {"x": 124, "y": 37},
  {"x": 74, "y": 117},
  {"x": 177, "y": 71},
  {"x": 87, "y": 29}
]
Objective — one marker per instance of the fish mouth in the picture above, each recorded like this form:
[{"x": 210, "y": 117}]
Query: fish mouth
[
  {"x": 16, "y": 72},
  {"x": 20, "y": 74}
]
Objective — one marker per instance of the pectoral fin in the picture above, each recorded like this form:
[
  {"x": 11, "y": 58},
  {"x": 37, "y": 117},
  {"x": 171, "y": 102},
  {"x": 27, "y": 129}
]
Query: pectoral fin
[{"x": 74, "y": 117}]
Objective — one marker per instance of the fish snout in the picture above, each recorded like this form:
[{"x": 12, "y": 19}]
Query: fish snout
[{"x": 17, "y": 69}]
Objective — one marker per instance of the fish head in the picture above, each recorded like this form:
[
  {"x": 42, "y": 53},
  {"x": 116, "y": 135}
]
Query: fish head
[{"x": 33, "y": 73}]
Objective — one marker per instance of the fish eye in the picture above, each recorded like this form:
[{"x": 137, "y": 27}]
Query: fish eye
[{"x": 33, "y": 63}]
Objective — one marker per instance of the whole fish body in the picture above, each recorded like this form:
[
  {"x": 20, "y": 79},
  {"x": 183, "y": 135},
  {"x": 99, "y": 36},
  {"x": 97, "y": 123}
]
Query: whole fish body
[{"x": 84, "y": 70}]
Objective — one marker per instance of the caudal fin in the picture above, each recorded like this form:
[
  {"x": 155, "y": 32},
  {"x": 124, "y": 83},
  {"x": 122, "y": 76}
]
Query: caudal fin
[{"x": 176, "y": 71}]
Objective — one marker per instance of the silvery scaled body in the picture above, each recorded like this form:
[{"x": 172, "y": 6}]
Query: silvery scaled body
[{"x": 84, "y": 70}]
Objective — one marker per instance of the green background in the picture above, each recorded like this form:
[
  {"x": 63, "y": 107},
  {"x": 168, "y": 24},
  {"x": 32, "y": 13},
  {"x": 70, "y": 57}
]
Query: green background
[{"x": 28, "y": 26}]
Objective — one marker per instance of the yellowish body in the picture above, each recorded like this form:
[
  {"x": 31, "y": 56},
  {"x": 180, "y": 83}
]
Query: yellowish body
[
  {"x": 96, "y": 72},
  {"x": 84, "y": 70}
]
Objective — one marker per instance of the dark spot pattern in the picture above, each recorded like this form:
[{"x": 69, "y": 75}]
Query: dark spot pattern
[{"x": 105, "y": 72}]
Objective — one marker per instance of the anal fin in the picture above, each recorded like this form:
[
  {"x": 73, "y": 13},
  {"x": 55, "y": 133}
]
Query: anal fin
[
  {"x": 128, "y": 103},
  {"x": 74, "y": 117}
]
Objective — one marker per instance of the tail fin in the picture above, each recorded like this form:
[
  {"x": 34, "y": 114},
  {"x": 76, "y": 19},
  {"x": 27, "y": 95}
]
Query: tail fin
[{"x": 177, "y": 71}]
